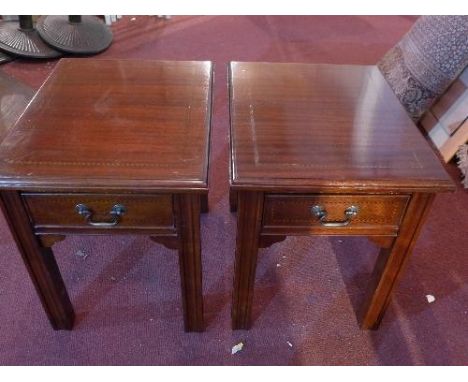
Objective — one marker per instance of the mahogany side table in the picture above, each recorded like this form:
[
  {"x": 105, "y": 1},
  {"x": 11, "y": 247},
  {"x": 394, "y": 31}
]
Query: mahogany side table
[
  {"x": 325, "y": 150},
  {"x": 110, "y": 147}
]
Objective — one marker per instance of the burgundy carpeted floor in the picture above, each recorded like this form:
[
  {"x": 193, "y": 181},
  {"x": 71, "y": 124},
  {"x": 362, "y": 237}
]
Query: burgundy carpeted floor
[{"x": 126, "y": 291}]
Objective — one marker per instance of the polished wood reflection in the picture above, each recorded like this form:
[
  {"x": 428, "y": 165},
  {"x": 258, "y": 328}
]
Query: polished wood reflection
[
  {"x": 110, "y": 123},
  {"x": 336, "y": 126}
]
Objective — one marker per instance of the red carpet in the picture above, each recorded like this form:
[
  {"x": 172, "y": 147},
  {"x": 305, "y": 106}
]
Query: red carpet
[{"x": 126, "y": 291}]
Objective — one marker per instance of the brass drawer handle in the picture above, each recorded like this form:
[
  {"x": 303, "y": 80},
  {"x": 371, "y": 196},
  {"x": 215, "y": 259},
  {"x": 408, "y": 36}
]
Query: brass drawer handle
[
  {"x": 116, "y": 212},
  {"x": 321, "y": 214}
]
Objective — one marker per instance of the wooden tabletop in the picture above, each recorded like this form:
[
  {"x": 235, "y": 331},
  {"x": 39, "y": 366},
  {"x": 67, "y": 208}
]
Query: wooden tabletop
[
  {"x": 324, "y": 126},
  {"x": 122, "y": 124},
  {"x": 14, "y": 97}
]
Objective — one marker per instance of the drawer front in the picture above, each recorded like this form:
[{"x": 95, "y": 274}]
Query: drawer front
[
  {"x": 372, "y": 214},
  {"x": 115, "y": 211}
]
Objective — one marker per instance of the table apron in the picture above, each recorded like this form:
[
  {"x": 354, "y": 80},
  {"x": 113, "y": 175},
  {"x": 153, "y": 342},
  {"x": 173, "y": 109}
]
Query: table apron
[
  {"x": 326, "y": 231},
  {"x": 152, "y": 231}
]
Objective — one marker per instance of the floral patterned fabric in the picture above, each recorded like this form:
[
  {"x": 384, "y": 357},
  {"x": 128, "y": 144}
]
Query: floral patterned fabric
[
  {"x": 427, "y": 59},
  {"x": 462, "y": 155}
]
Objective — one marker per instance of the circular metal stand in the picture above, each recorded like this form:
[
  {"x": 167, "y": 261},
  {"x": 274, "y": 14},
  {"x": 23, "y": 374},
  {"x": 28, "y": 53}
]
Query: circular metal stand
[
  {"x": 23, "y": 40},
  {"x": 75, "y": 34}
]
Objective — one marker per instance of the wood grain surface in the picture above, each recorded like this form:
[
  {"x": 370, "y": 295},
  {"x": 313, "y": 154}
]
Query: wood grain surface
[
  {"x": 109, "y": 123},
  {"x": 324, "y": 126}
]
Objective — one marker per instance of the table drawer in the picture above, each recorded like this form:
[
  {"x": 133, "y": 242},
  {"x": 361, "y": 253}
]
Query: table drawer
[
  {"x": 107, "y": 211},
  {"x": 334, "y": 214}
]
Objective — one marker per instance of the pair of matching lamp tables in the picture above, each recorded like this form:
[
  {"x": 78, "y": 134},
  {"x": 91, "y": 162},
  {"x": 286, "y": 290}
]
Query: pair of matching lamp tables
[{"x": 122, "y": 146}]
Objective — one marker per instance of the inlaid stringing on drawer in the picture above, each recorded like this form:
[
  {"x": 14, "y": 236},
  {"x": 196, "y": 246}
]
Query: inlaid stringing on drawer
[
  {"x": 60, "y": 210},
  {"x": 376, "y": 213}
]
